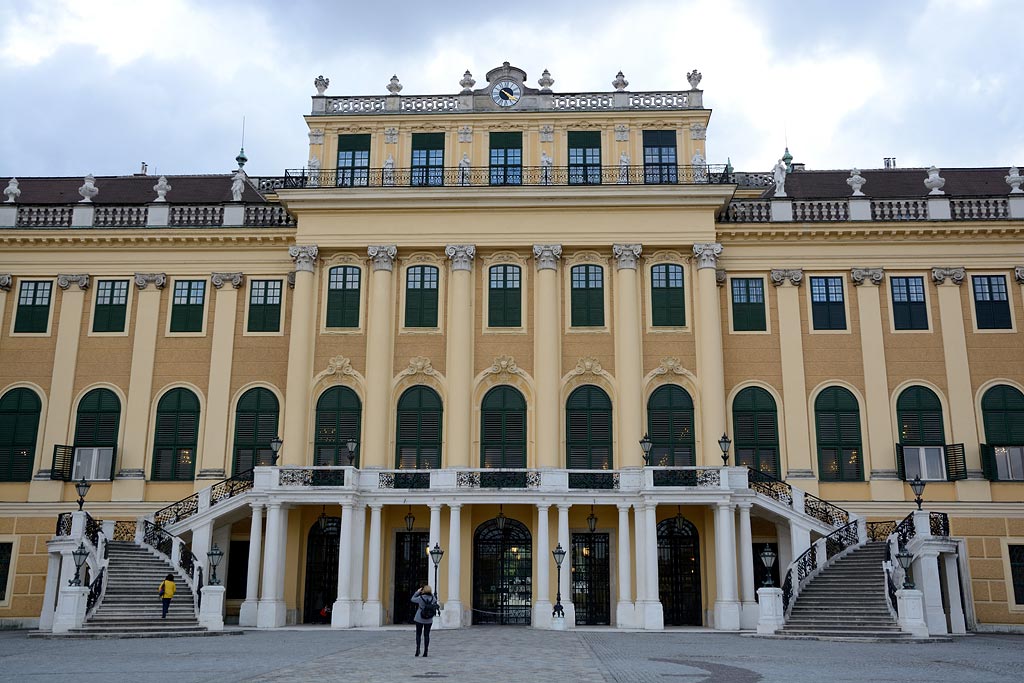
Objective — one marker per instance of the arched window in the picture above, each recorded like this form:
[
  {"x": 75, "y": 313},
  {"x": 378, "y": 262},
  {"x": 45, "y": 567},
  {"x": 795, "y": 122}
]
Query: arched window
[
  {"x": 756, "y": 423},
  {"x": 921, "y": 450},
  {"x": 19, "y": 425},
  {"x": 503, "y": 428},
  {"x": 177, "y": 434},
  {"x": 418, "y": 433},
  {"x": 256, "y": 419},
  {"x": 1002, "y": 456},
  {"x": 96, "y": 428},
  {"x": 837, "y": 420},
  {"x": 670, "y": 427},
  {"x": 588, "y": 429},
  {"x": 339, "y": 415}
]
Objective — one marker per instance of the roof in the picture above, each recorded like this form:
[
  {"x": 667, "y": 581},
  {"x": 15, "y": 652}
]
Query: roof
[
  {"x": 134, "y": 189},
  {"x": 884, "y": 183}
]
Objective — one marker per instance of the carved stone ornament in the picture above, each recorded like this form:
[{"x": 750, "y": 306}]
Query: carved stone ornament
[
  {"x": 339, "y": 365},
  {"x": 778, "y": 276},
  {"x": 621, "y": 132},
  {"x": 316, "y": 136},
  {"x": 420, "y": 365},
  {"x": 547, "y": 133},
  {"x": 461, "y": 256},
  {"x": 707, "y": 254},
  {"x": 588, "y": 365},
  {"x": 394, "y": 87},
  {"x": 218, "y": 279},
  {"x": 465, "y": 134},
  {"x": 856, "y": 181},
  {"x": 720, "y": 276},
  {"x": 321, "y": 83},
  {"x": 698, "y": 131},
  {"x": 1014, "y": 180},
  {"x": 504, "y": 365},
  {"x": 626, "y": 255},
  {"x": 390, "y": 135},
  {"x": 1018, "y": 273},
  {"x": 467, "y": 83},
  {"x": 860, "y": 276},
  {"x": 304, "y": 257},
  {"x": 64, "y": 281},
  {"x": 143, "y": 280},
  {"x": 11, "y": 191},
  {"x": 545, "y": 81},
  {"x": 547, "y": 255},
  {"x": 383, "y": 256},
  {"x": 88, "y": 190},
  {"x": 237, "y": 185},
  {"x": 291, "y": 279},
  {"x": 5, "y": 281},
  {"x": 669, "y": 365},
  {"x": 694, "y": 79},
  {"x": 620, "y": 83},
  {"x": 955, "y": 275},
  {"x": 934, "y": 182},
  {"x": 161, "y": 188}
]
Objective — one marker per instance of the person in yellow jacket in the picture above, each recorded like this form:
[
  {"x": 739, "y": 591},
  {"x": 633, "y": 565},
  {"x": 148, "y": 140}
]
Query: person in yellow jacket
[{"x": 167, "y": 589}]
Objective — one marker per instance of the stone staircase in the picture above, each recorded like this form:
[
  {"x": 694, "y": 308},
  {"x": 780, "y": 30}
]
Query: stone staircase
[{"x": 846, "y": 600}]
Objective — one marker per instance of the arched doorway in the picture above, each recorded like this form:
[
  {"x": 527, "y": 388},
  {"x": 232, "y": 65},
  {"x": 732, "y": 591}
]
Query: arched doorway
[
  {"x": 321, "y": 570},
  {"x": 679, "y": 572},
  {"x": 502, "y": 572}
]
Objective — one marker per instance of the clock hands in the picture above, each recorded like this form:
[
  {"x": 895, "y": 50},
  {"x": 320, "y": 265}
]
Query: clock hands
[{"x": 507, "y": 94}]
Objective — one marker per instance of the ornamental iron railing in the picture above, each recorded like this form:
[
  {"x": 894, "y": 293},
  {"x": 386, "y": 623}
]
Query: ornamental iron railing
[
  {"x": 403, "y": 480},
  {"x": 231, "y": 487},
  {"x": 804, "y": 565},
  {"x": 824, "y": 511},
  {"x": 311, "y": 476},
  {"x": 842, "y": 538},
  {"x": 157, "y": 538},
  {"x": 689, "y": 476},
  {"x": 514, "y": 479},
  {"x": 95, "y": 591},
  {"x": 594, "y": 480},
  {"x": 767, "y": 485},
  {"x": 906, "y": 530},
  {"x": 879, "y": 531},
  {"x": 124, "y": 530},
  {"x": 938, "y": 523},
  {"x": 93, "y": 530},
  {"x": 175, "y": 512},
  {"x": 890, "y": 585},
  {"x": 63, "y": 524}
]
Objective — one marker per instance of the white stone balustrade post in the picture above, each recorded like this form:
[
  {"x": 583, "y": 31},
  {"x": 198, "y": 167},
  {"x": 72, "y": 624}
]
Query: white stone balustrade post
[
  {"x": 211, "y": 611},
  {"x": 771, "y": 616},
  {"x": 910, "y": 604}
]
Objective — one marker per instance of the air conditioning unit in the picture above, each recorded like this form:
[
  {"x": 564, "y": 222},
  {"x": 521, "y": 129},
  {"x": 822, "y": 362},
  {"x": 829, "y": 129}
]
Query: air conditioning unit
[{"x": 92, "y": 463}]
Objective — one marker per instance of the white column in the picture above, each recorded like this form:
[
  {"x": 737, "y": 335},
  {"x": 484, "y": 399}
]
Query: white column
[
  {"x": 341, "y": 613},
  {"x": 727, "y": 608},
  {"x": 355, "y": 563},
  {"x": 451, "y": 617},
  {"x": 271, "y": 611},
  {"x": 542, "y": 604},
  {"x": 247, "y": 615},
  {"x": 50, "y": 591},
  {"x": 625, "y": 614},
  {"x": 373, "y": 614},
  {"x": 565, "y": 584},
  {"x": 435, "y": 538},
  {"x": 653, "y": 616},
  {"x": 926, "y": 577},
  {"x": 641, "y": 575},
  {"x": 956, "y": 610},
  {"x": 749, "y": 612}
]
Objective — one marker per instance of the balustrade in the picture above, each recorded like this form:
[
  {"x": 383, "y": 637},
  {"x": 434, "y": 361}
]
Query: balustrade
[
  {"x": 120, "y": 216},
  {"x": 44, "y": 217},
  {"x": 756, "y": 211},
  {"x": 810, "y": 211},
  {"x": 979, "y": 208},
  {"x": 196, "y": 216},
  {"x": 899, "y": 209}
]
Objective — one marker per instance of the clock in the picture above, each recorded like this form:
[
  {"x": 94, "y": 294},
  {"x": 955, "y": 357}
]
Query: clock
[{"x": 506, "y": 93}]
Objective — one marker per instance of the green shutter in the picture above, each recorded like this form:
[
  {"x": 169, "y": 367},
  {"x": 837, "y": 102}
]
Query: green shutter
[
  {"x": 588, "y": 441},
  {"x": 338, "y": 419},
  {"x": 176, "y": 436},
  {"x": 421, "y": 296},
  {"x": 755, "y": 422},
  {"x": 418, "y": 429},
  {"x": 265, "y": 298},
  {"x": 343, "y": 287},
  {"x": 670, "y": 427},
  {"x": 188, "y": 305},
  {"x": 19, "y": 426},
  {"x": 256, "y": 424},
  {"x": 837, "y": 422},
  {"x": 668, "y": 304},
  {"x": 988, "y": 462},
  {"x": 748, "y": 314},
  {"x": 33, "y": 312},
  {"x": 587, "y": 296},
  {"x": 503, "y": 428},
  {"x": 1002, "y": 410},
  {"x": 111, "y": 306},
  {"x": 919, "y": 414},
  {"x": 504, "y": 308}
]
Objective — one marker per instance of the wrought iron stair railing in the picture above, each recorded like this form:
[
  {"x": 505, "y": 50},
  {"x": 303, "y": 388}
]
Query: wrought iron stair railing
[
  {"x": 803, "y": 567},
  {"x": 770, "y": 486},
  {"x": 165, "y": 543},
  {"x": 189, "y": 505}
]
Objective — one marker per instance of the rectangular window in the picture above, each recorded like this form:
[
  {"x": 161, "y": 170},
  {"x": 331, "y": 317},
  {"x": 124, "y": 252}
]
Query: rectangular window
[
  {"x": 343, "y": 297},
  {"x": 428, "y": 159},
  {"x": 33, "y": 306},
  {"x": 668, "y": 306},
  {"x": 991, "y": 302},
  {"x": 93, "y": 463},
  {"x": 660, "y": 157},
  {"x": 188, "y": 305},
  {"x": 827, "y": 309},
  {"x": 504, "y": 303},
  {"x": 1009, "y": 462},
  {"x": 421, "y": 296},
  {"x": 353, "y": 160},
  {"x": 748, "y": 305},
  {"x": 5, "y": 568},
  {"x": 584, "y": 157},
  {"x": 264, "y": 306},
  {"x": 506, "y": 159},
  {"x": 111, "y": 306},
  {"x": 1017, "y": 572},
  {"x": 587, "y": 296},
  {"x": 909, "y": 311},
  {"x": 927, "y": 462}
]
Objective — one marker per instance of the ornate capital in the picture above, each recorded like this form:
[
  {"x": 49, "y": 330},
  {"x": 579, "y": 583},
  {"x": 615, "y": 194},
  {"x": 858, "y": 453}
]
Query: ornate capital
[
  {"x": 778, "y": 276},
  {"x": 65, "y": 280},
  {"x": 5, "y": 281},
  {"x": 383, "y": 256},
  {"x": 720, "y": 276},
  {"x": 461, "y": 256},
  {"x": 707, "y": 254},
  {"x": 143, "y": 280},
  {"x": 626, "y": 255},
  {"x": 547, "y": 255},
  {"x": 218, "y": 279},
  {"x": 860, "y": 276},
  {"x": 304, "y": 257},
  {"x": 955, "y": 275},
  {"x": 1018, "y": 273}
]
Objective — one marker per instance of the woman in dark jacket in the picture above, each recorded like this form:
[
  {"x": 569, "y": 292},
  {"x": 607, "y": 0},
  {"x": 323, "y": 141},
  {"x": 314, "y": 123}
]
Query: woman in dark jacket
[{"x": 422, "y": 598}]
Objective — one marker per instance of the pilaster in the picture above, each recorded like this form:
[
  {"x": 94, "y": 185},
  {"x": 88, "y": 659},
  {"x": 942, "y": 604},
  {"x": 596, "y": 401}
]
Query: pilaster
[
  {"x": 5, "y": 286},
  {"x": 379, "y": 355},
  {"x": 629, "y": 371},
  {"x": 710, "y": 358},
  {"x": 459, "y": 363},
  {"x": 300, "y": 357},
  {"x": 547, "y": 355}
]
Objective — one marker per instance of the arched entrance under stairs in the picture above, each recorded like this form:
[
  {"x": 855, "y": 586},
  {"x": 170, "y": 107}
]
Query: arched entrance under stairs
[
  {"x": 502, "y": 573},
  {"x": 321, "y": 570}
]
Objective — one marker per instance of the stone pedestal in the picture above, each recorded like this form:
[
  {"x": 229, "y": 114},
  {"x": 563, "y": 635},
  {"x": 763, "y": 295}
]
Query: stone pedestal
[
  {"x": 625, "y": 615},
  {"x": 344, "y": 614},
  {"x": 247, "y": 614},
  {"x": 373, "y": 614},
  {"x": 911, "y": 608},
  {"x": 71, "y": 603},
  {"x": 211, "y": 611},
  {"x": 558, "y": 623},
  {"x": 727, "y": 615},
  {"x": 771, "y": 616},
  {"x": 860, "y": 209},
  {"x": 652, "y": 615},
  {"x": 542, "y": 615},
  {"x": 271, "y": 614}
]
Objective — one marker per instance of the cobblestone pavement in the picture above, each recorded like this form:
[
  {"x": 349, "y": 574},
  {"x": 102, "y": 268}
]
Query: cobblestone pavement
[{"x": 507, "y": 655}]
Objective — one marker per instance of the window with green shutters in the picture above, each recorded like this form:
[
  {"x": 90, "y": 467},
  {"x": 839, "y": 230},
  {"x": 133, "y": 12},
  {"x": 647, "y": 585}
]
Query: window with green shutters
[
  {"x": 748, "y": 305},
  {"x": 991, "y": 302},
  {"x": 909, "y": 310},
  {"x": 188, "y": 306},
  {"x": 343, "y": 284},
  {"x": 504, "y": 297},
  {"x": 587, "y": 299},
  {"x": 111, "y": 306},
  {"x": 339, "y": 415},
  {"x": 503, "y": 428},
  {"x": 428, "y": 159},
  {"x": 1002, "y": 454},
  {"x": 6, "y": 549},
  {"x": 660, "y": 157},
  {"x": 506, "y": 167},
  {"x": 256, "y": 424},
  {"x": 264, "y": 306},
  {"x": 418, "y": 429},
  {"x": 421, "y": 296},
  {"x": 585, "y": 157},
  {"x": 837, "y": 421},
  {"x": 19, "y": 426},
  {"x": 756, "y": 425},
  {"x": 33, "y": 315},
  {"x": 588, "y": 429},
  {"x": 828, "y": 312},
  {"x": 670, "y": 427},
  {"x": 353, "y": 160},
  {"x": 96, "y": 429},
  {"x": 1016, "y": 553},
  {"x": 177, "y": 435},
  {"x": 668, "y": 305},
  {"x": 922, "y": 449}
]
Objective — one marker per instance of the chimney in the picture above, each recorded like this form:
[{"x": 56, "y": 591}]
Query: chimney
[
  {"x": 145, "y": 167},
  {"x": 799, "y": 166},
  {"x": 889, "y": 162}
]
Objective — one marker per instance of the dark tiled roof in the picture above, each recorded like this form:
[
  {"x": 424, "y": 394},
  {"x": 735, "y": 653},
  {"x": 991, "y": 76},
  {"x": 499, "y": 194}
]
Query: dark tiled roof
[
  {"x": 895, "y": 183},
  {"x": 134, "y": 189}
]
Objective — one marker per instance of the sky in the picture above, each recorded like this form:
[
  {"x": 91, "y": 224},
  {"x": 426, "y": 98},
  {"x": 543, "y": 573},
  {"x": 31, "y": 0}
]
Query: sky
[{"x": 99, "y": 86}]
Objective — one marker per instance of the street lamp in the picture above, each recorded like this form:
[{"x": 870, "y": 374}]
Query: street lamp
[
  {"x": 905, "y": 559},
  {"x": 680, "y": 520},
  {"x": 768, "y": 556},
  {"x": 501, "y": 519},
  {"x": 559, "y": 555},
  {"x": 645, "y": 445},
  {"x": 351, "y": 445},
  {"x": 322, "y": 520},
  {"x": 410, "y": 521},
  {"x": 275, "y": 448},
  {"x": 917, "y": 486},
  {"x": 436, "y": 554},
  {"x": 215, "y": 555},
  {"x": 724, "y": 444},
  {"x": 82, "y": 488},
  {"x": 80, "y": 554},
  {"x": 592, "y": 520}
]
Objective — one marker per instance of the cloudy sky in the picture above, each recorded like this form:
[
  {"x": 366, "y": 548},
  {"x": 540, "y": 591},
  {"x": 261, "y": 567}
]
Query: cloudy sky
[{"x": 102, "y": 85}]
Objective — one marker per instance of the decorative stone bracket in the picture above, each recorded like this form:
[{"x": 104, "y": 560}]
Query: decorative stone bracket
[
  {"x": 860, "y": 276},
  {"x": 143, "y": 280},
  {"x": 955, "y": 275},
  {"x": 218, "y": 279},
  {"x": 547, "y": 255},
  {"x": 778, "y": 276},
  {"x": 5, "y": 281}
]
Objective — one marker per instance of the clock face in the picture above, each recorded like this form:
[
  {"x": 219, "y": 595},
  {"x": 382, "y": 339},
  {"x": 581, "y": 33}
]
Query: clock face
[{"x": 506, "y": 93}]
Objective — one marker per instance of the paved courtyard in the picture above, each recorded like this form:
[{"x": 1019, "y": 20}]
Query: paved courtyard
[{"x": 507, "y": 655}]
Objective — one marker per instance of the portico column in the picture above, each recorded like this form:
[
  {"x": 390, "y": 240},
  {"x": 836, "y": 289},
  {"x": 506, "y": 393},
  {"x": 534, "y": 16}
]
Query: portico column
[
  {"x": 641, "y": 555},
  {"x": 215, "y": 439},
  {"x": 271, "y": 611},
  {"x": 653, "y": 615},
  {"x": 372, "y": 611},
  {"x": 629, "y": 369},
  {"x": 727, "y": 609},
  {"x": 300, "y": 357},
  {"x": 459, "y": 364},
  {"x": 542, "y": 605},
  {"x": 565, "y": 583},
  {"x": 547, "y": 351},
  {"x": 341, "y": 614},
  {"x": 749, "y": 613},
  {"x": 956, "y": 610},
  {"x": 710, "y": 359},
  {"x": 379, "y": 356},
  {"x": 248, "y": 614},
  {"x": 435, "y": 538},
  {"x": 625, "y": 615},
  {"x": 452, "y": 615}
]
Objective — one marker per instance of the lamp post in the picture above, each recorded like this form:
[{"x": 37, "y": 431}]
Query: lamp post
[
  {"x": 906, "y": 559},
  {"x": 645, "y": 445},
  {"x": 592, "y": 520},
  {"x": 275, "y": 448},
  {"x": 82, "y": 488},
  {"x": 559, "y": 555},
  {"x": 917, "y": 486},
  {"x": 768, "y": 556},
  {"x": 501, "y": 518},
  {"x": 436, "y": 554},
  {"x": 215, "y": 556},
  {"x": 322, "y": 520},
  {"x": 351, "y": 446},
  {"x": 80, "y": 554},
  {"x": 680, "y": 521},
  {"x": 724, "y": 444},
  {"x": 410, "y": 520}
]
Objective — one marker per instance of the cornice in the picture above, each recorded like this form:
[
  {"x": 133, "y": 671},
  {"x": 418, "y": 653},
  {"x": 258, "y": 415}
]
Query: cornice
[
  {"x": 108, "y": 238},
  {"x": 818, "y": 232}
]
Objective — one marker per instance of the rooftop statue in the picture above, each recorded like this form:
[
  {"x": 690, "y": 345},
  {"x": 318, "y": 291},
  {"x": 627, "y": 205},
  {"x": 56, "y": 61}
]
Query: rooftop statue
[
  {"x": 237, "y": 185},
  {"x": 88, "y": 190},
  {"x": 779, "y": 173},
  {"x": 12, "y": 191},
  {"x": 856, "y": 181}
]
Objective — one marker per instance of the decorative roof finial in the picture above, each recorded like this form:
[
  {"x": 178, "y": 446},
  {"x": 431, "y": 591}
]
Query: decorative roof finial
[
  {"x": 241, "y": 158},
  {"x": 161, "y": 188},
  {"x": 620, "y": 82},
  {"x": 467, "y": 83},
  {"x": 321, "y": 84},
  {"x": 856, "y": 181},
  {"x": 1014, "y": 180},
  {"x": 394, "y": 87},
  {"x": 545, "y": 81},
  {"x": 934, "y": 182},
  {"x": 728, "y": 166},
  {"x": 787, "y": 158},
  {"x": 694, "y": 78},
  {"x": 88, "y": 190},
  {"x": 12, "y": 191}
]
